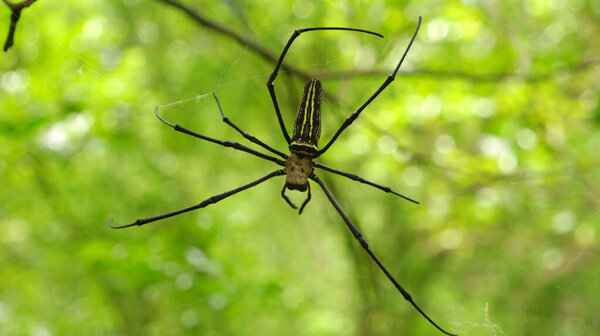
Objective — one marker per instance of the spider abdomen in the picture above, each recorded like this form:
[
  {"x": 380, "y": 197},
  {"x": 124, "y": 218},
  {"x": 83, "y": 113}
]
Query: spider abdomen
[{"x": 307, "y": 127}]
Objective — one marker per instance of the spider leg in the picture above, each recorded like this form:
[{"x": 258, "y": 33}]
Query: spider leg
[
  {"x": 246, "y": 135},
  {"x": 362, "y": 180},
  {"x": 356, "y": 113},
  {"x": 286, "y": 198},
  {"x": 230, "y": 144},
  {"x": 306, "y": 200},
  {"x": 366, "y": 247},
  {"x": 206, "y": 202},
  {"x": 294, "y": 205},
  {"x": 270, "y": 85}
]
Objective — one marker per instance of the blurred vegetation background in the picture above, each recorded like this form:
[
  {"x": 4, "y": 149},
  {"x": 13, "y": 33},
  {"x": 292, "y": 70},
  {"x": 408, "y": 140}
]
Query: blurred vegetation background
[{"x": 492, "y": 123}]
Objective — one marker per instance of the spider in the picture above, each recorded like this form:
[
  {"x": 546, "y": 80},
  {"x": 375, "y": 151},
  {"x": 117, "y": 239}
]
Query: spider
[{"x": 299, "y": 166}]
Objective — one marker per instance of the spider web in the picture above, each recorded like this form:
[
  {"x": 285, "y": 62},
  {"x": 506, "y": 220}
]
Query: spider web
[
  {"x": 491, "y": 195},
  {"x": 495, "y": 248},
  {"x": 370, "y": 140}
]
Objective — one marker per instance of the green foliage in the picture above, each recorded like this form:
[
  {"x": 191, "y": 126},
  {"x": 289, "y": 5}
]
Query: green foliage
[{"x": 493, "y": 124}]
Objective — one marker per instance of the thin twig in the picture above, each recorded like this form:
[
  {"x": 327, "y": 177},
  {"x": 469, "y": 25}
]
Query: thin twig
[
  {"x": 270, "y": 57},
  {"x": 15, "y": 15},
  {"x": 584, "y": 65}
]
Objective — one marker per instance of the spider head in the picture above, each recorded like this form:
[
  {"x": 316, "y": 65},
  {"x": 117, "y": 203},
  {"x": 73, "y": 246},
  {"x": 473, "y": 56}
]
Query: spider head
[{"x": 298, "y": 168}]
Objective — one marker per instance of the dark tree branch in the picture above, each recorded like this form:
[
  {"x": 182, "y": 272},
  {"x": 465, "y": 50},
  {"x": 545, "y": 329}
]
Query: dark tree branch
[
  {"x": 270, "y": 57},
  {"x": 15, "y": 15},
  {"x": 243, "y": 40}
]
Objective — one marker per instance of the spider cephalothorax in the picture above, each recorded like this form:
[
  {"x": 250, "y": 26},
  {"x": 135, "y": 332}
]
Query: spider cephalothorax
[
  {"x": 303, "y": 145},
  {"x": 298, "y": 168}
]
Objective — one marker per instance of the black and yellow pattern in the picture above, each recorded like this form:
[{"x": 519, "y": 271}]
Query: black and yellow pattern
[{"x": 307, "y": 127}]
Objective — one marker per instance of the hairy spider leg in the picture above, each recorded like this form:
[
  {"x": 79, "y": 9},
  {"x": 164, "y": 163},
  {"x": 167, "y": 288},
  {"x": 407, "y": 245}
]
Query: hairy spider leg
[
  {"x": 356, "y": 113},
  {"x": 366, "y": 247},
  {"x": 270, "y": 84},
  {"x": 362, "y": 180},
  {"x": 216, "y": 198},
  {"x": 246, "y": 135},
  {"x": 230, "y": 144},
  {"x": 211, "y": 200}
]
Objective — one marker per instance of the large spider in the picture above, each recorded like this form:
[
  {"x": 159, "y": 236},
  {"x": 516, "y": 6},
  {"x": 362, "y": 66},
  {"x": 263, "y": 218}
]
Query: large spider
[{"x": 299, "y": 165}]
